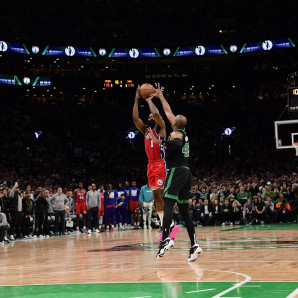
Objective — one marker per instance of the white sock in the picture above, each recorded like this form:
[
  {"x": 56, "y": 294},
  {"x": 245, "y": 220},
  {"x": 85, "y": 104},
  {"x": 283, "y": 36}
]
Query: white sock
[{"x": 160, "y": 214}]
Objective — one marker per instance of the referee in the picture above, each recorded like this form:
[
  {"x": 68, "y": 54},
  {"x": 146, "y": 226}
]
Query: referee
[{"x": 178, "y": 182}]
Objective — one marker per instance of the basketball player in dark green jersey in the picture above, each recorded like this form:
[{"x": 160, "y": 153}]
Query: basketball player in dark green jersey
[{"x": 178, "y": 181}]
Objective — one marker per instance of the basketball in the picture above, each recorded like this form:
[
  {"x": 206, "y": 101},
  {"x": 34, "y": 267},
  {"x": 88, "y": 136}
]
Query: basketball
[{"x": 147, "y": 90}]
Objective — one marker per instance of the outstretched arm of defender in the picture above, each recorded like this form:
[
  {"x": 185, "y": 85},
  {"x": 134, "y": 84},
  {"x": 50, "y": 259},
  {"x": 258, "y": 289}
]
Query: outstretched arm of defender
[
  {"x": 165, "y": 105},
  {"x": 174, "y": 143},
  {"x": 135, "y": 113}
]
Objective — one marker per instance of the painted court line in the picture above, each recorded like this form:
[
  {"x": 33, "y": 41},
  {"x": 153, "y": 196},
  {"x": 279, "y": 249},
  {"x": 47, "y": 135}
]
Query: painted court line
[
  {"x": 247, "y": 279},
  {"x": 293, "y": 294},
  {"x": 199, "y": 291}
]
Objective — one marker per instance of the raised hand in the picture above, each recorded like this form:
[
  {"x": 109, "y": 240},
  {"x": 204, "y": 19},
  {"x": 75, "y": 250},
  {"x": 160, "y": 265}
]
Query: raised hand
[
  {"x": 138, "y": 95},
  {"x": 158, "y": 90}
]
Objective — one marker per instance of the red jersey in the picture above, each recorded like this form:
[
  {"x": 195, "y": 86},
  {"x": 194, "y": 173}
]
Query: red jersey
[
  {"x": 154, "y": 151},
  {"x": 80, "y": 195}
]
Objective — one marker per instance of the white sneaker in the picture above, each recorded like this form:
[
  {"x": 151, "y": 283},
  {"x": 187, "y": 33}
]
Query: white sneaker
[
  {"x": 97, "y": 231},
  {"x": 41, "y": 236},
  {"x": 223, "y": 224},
  {"x": 145, "y": 227},
  {"x": 26, "y": 237},
  {"x": 47, "y": 236},
  {"x": 11, "y": 238},
  {"x": 34, "y": 236},
  {"x": 194, "y": 253},
  {"x": 231, "y": 223},
  {"x": 150, "y": 228},
  {"x": 89, "y": 231},
  {"x": 78, "y": 231},
  {"x": 1, "y": 242},
  {"x": 164, "y": 246}
]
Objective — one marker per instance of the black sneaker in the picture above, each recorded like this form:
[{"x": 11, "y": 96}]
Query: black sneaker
[
  {"x": 164, "y": 246},
  {"x": 194, "y": 253}
]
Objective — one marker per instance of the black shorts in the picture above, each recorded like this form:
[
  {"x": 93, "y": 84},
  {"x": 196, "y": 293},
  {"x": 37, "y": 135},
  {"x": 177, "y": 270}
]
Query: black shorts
[{"x": 177, "y": 184}]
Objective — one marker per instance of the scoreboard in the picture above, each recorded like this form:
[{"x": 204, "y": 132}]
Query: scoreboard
[{"x": 293, "y": 99}]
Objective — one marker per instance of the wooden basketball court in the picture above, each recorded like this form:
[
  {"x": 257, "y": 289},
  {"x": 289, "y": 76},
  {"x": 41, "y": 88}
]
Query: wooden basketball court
[{"x": 257, "y": 261}]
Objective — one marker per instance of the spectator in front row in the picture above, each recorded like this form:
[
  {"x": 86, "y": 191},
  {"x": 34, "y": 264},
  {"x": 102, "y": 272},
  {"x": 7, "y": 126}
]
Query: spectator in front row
[
  {"x": 217, "y": 213},
  {"x": 155, "y": 221},
  {"x": 176, "y": 214},
  {"x": 236, "y": 210},
  {"x": 59, "y": 201},
  {"x": 226, "y": 212},
  {"x": 260, "y": 211},
  {"x": 206, "y": 213},
  {"x": 271, "y": 212},
  {"x": 4, "y": 226},
  {"x": 249, "y": 212}
]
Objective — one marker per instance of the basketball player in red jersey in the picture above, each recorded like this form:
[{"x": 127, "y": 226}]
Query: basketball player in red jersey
[
  {"x": 80, "y": 206},
  {"x": 156, "y": 170}
]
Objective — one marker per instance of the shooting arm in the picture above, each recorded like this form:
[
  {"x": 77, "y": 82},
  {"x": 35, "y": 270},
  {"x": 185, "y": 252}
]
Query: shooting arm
[
  {"x": 155, "y": 113},
  {"x": 135, "y": 114}
]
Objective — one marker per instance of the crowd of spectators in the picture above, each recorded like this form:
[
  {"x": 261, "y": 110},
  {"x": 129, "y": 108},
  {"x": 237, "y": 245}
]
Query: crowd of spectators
[{"x": 47, "y": 211}]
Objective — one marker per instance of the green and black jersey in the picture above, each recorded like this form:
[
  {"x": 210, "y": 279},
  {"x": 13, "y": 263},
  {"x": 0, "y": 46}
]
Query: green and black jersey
[{"x": 178, "y": 158}]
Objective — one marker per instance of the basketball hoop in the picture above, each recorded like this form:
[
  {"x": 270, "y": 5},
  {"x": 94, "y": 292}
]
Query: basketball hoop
[{"x": 295, "y": 144}]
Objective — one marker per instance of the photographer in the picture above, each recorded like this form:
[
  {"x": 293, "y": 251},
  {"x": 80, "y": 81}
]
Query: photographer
[
  {"x": 283, "y": 211},
  {"x": 249, "y": 212}
]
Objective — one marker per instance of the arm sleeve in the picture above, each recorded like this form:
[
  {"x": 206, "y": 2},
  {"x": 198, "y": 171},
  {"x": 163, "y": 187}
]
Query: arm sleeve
[{"x": 173, "y": 144}]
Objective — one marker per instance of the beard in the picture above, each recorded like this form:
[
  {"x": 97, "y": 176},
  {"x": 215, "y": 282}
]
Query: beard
[{"x": 151, "y": 123}]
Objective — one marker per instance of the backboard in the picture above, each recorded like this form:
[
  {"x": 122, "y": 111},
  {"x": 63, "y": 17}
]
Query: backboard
[{"x": 286, "y": 133}]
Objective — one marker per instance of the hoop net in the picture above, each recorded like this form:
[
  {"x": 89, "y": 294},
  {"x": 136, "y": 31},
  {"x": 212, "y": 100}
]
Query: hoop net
[{"x": 295, "y": 144}]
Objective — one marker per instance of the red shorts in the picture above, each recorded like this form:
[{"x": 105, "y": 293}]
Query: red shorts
[
  {"x": 156, "y": 173},
  {"x": 81, "y": 207},
  {"x": 133, "y": 205}
]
